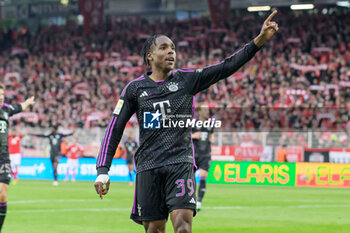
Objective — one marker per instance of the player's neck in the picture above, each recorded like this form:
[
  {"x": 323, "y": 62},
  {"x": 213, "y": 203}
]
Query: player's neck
[{"x": 158, "y": 75}]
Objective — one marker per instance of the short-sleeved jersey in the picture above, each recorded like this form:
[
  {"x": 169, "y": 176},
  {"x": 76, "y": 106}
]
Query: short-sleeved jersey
[
  {"x": 75, "y": 151},
  {"x": 15, "y": 144},
  {"x": 160, "y": 108},
  {"x": 5, "y": 112},
  {"x": 130, "y": 147},
  {"x": 202, "y": 146}
]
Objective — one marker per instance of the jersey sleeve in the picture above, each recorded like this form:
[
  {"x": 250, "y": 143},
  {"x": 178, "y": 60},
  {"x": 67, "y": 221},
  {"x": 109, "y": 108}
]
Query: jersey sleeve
[
  {"x": 66, "y": 135},
  {"x": 201, "y": 79},
  {"x": 123, "y": 111},
  {"x": 17, "y": 108},
  {"x": 40, "y": 135},
  {"x": 194, "y": 129}
]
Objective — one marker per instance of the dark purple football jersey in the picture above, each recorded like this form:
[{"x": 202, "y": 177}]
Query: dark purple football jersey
[{"x": 163, "y": 110}]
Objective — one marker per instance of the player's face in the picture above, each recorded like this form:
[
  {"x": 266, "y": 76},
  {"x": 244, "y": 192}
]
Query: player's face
[
  {"x": 163, "y": 55},
  {"x": 14, "y": 131},
  {"x": 204, "y": 111},
  {"x": 2, "y": 97}
]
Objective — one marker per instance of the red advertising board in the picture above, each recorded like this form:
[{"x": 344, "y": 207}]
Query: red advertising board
[
  {"x": 238, "y": 153},
  {"x": 323, "y": 175}
]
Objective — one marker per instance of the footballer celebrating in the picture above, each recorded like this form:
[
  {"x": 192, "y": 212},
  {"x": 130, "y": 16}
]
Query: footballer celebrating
[
  {"x": 130, "y": 146},
  {"x": 7, "y": 111},
  {"x": 55, "y": 140},
  {"x": 165, "y": 158},
  {"x": 202, "y": 138}
]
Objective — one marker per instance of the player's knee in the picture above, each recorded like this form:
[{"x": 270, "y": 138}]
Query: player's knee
[
  {"x": 203, "y": 174},
  {"x": 183, "y": 227}
]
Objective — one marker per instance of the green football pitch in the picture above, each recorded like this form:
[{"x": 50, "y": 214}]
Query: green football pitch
[{"x": 38, "y": 207}]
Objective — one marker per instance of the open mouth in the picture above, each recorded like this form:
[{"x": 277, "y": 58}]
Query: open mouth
[{"x": 171, "y": 59}]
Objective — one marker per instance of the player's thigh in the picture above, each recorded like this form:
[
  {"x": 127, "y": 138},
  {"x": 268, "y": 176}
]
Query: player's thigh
[
  {"x": 129, "y": 160},
  {"x": 203, "y": 173},
  {"x": 72, "y": 163},
  {"x": 75, "y": 164},
  {"x": 55, "y": 159},
  {"x": 5, "y": 175},
  {"x": 3, "y": 189},
  {"x": 180, "y": 187},
  {"x": 149, "y": 202}
]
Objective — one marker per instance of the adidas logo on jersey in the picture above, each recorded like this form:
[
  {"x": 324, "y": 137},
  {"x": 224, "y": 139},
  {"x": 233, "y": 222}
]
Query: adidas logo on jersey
[
  {"x": 192, "y": 201},
  {"x": 143, "y": 94}
]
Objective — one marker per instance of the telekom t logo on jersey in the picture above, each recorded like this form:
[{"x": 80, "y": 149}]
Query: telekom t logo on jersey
[
  {"x": 163, "y": 106},
  {"x": 2, "y": 127}
]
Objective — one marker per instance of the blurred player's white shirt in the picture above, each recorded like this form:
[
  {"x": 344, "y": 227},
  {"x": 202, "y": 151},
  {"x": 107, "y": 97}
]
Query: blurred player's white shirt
[{"x": 267, "y": 154}]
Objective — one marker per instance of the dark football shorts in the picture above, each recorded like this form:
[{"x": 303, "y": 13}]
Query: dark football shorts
[
  {"x": 162, "y": 190},
  {"x": 5, "y": 173},
  {"x": 55, "y": 158},
  {"x": 129, "y": 159},
  {"x": 203, "y": 161}
]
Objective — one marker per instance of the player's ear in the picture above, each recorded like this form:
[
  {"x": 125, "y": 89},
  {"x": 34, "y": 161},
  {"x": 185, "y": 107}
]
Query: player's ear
[{"x": 150, "y": 56}]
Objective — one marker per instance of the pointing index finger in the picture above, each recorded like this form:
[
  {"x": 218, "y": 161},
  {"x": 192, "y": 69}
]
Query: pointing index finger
[
  {"x": 98, "y": 187},
  {"x": 271, "y": 16}
]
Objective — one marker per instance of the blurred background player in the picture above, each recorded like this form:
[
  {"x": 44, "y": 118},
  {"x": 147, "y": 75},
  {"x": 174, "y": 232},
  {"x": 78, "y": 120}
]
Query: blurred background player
[
  {"x": 14, "y": 140},
  {"x": 55, "y": 140},
  {"x": 202, "y": 139},
  {"x": 74, "y": 151},
  {"x": 131, "y": 147},
  {"x": 7, "y": 111},
  {"x": 282, "y": 154}
]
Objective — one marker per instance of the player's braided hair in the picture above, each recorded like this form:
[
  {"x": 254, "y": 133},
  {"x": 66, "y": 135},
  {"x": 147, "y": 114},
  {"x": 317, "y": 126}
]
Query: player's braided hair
[{"x": 146, "y": 48}]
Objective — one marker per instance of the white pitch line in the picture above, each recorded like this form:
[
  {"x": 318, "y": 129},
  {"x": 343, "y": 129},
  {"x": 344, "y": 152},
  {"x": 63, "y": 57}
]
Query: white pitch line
[
  {"x": 54, "y": 200},
  {"x": 97, "y": 200},
  {"x": 70, "y": 210},
  {"x": 271, "y": 207},
  {"x": 208, "y": 208},
  {"x": 311, "y": 201}
]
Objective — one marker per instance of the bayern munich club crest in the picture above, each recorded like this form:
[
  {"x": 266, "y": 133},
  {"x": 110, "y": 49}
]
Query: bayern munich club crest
[{"x": 173, "y": 86}]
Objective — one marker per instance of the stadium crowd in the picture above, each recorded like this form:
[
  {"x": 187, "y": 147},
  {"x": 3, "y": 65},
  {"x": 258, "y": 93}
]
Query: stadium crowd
[{"x": 299, "y": 81}]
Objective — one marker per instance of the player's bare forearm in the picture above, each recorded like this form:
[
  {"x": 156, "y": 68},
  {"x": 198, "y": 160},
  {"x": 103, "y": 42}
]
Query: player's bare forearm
[
  {"x": 267, "y": 31},
  {"x": 28, "y": 102}
]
